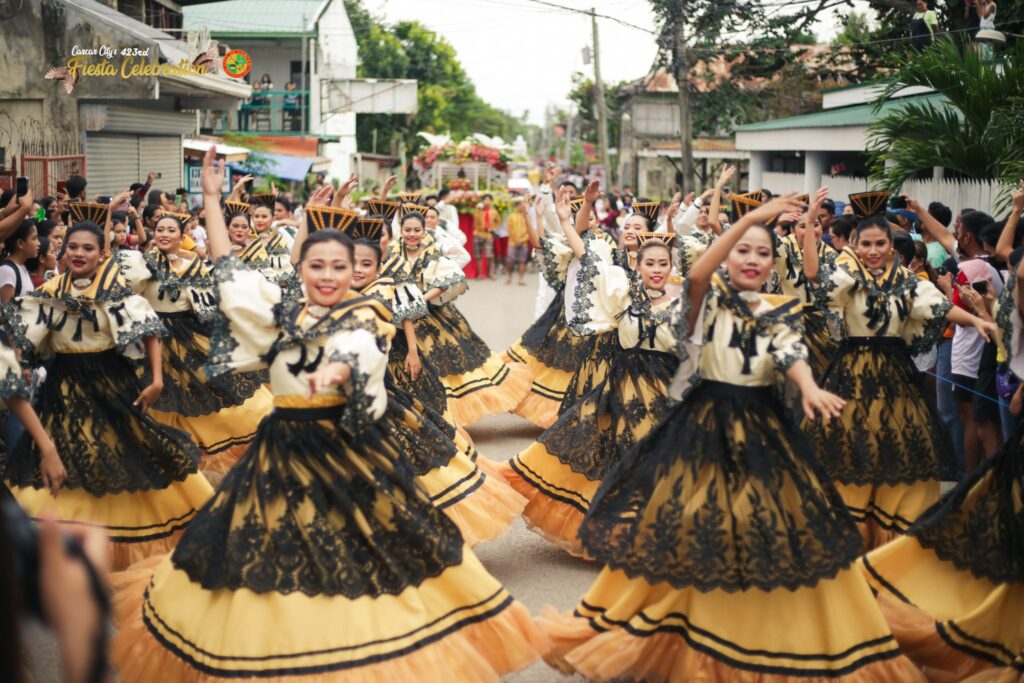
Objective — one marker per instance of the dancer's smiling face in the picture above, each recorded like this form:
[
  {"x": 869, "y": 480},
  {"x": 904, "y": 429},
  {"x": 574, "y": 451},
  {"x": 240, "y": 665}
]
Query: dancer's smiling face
[
  {"x": 873, "y": 247},
  {"x": 412, "y": 232},
  {"x": 655, "y": 265},
  {"x": 801, "y": 228},
  {"x": 630, "y": 228},
  {"x": 262, "y": 217},
  {"x": 238, "y": 230},
  {"x": 167, "y": 235},
  {"x": 751, "y": 261},
  {"x": 83, "y": 253},
  {"x": 366, "y": 268},
  {"x": 326, "y": 270}
]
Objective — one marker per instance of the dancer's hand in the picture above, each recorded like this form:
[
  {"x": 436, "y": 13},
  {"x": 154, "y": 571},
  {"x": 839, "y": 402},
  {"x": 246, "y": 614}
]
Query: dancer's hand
[
  {"x": 818, "y": 401},
  {"x": 985, "y": 328},
  {"x": 330, "y": 375},
  {"x": 412, "y": 364},
  {"x": 51, "y": 468},
  {"x": 149, "y": 396}
]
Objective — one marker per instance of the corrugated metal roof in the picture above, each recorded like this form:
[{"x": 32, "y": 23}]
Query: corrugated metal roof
[
  {"x": 271, "y": 17},
  {"x": 858, "y": 115}
]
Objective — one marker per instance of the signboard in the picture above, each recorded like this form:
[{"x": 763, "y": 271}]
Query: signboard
[
  {"x": 368, "y": 96},
  {"x": 193, "y": 182}
]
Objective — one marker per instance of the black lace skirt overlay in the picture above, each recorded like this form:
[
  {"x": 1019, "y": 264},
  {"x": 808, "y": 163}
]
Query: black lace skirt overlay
[
  {"x": 888, "y": 432},
  {"x": 427, "y": 386},
  {"x": 187, "y": 389},
  {"x": 449, "y": 343},
  {"x": 592, "y": 370},
  {"x": 551, "y": 342},
  {"x": 107, "y": 445},
  {"x": 420, "y": 435},
  {"x": 979, "y": 525},
  {"x": 310, "y": 509},
  {"x": 723, "y": 494},
  {"x": 821, "y": 346},
  {"x": 609, "y": 419}
]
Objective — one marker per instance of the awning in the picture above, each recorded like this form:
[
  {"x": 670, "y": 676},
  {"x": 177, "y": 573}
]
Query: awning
[
  {"x": 229, "y": 153},
  {"x": 283, "y": 166}
]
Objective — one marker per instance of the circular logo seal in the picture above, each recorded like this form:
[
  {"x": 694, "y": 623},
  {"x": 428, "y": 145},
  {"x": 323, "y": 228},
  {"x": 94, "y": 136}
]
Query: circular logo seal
[{"x": 237, "y": 63}]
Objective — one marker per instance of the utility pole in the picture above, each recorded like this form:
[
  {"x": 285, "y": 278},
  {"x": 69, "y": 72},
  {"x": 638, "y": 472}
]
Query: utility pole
[
  {"x": 568, "y": 137},
  {"x": 602, "y": 110},
  {"x": 682, "y": 62}
]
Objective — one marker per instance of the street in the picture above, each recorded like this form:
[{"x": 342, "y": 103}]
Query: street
[{"x": 534, "y": 571}]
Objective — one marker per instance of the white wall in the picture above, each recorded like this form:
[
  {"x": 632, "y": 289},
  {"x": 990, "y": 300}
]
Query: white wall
[
  {"x": 781, "y": 183},
  {"x": 336, "y": 58}
]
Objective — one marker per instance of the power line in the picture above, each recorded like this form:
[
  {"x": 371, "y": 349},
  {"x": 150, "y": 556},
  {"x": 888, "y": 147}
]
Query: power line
[{"x": 587, "y": 13}]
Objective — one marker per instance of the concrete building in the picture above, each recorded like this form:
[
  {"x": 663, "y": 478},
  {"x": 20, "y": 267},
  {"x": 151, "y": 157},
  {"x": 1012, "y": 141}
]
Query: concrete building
[
  {"x": 797, "y": 152},
  {"x": 649, "y": 146},
  {"x": 112, "y": 128},
  {"x": 307, "y": 42}
]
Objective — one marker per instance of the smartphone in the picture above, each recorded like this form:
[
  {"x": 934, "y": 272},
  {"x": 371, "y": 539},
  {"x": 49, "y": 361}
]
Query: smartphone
[
  {"x": 22, "y": 186},
  {"x": 980, "y": 287},
  {"x": 898, "y": 202},
  {"x": 104, "y": 199}
]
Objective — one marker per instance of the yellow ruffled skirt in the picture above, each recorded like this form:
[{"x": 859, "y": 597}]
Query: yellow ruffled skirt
[
  {"x": 224, "y": 436},
  {"x": 319, "y": 560},
  {"x": 627, "y": 629},
  {"x": 887, "y": 452},
  {"x": 140, "y": 524},
  {"x": 478, "y": 383},
  {"x": 553, "y": 354},
  {"x": 953, "y": 589}
]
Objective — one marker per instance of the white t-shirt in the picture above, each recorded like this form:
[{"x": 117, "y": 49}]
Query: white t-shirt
[
  {"x": 199, "y": 235},
  {"x": 968, "y": 342},
  {"x": 8, "y": 277}
]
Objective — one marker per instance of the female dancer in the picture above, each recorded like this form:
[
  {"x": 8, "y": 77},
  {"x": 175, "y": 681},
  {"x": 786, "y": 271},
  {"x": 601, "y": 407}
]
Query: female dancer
[
  {"x": 888, "y": 451},
  {"x": 560, "y": 473},
  {"x": 444, "y": 461},
  {"x": 548, "y": 347},
  {"x": 478, "y": 383},
  {"x": 952, "y": 589},
  {"x": 726, "y": 556},
  {"x": 789, "y": 265},
  {"x": 126, "y": 472},
  {"x": 223, "y": 413},
  {"x": 319, "y": 559}
]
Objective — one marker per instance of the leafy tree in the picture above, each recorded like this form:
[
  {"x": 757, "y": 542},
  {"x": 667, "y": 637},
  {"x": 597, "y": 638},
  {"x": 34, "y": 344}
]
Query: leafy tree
[
  {"x": 447, "y": 99},
  {"x": 973, "y": 131}
]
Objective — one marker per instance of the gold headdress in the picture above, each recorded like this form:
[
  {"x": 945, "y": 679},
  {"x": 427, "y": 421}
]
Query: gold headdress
[
  {"x": 867, "y": 204},
  {"x": 233, "y": 207},
  {"x": 744, "y": 203},
  {"x": 410, "y": 197},
  {"x": 366, "y": 228},
  {"x": 264, "y": 199},
  {"x": 88, "y": 211},
  {"x": 323, "y": 217},
  {"x": 575, "y": 204},
  {"x": 667, "y": 237},
  {"x": 648, "y": 209},
  {"x": 183, "y": 217},
  {"x": 383, "y": 207},
  {"x": 409, "y": 206}
]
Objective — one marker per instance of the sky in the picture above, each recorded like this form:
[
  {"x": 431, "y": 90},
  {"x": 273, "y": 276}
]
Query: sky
[{"x": 522, "y": 55}]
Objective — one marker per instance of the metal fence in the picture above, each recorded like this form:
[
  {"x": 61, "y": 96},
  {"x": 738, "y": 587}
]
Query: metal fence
[{"x": 45, "y": 173}]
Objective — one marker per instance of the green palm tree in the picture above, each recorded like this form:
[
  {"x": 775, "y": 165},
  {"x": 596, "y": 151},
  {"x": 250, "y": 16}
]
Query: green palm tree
[{"x": 974, "y": 126}]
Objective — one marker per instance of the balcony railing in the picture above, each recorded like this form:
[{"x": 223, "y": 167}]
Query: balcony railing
[{"x": 267, "y": 111}]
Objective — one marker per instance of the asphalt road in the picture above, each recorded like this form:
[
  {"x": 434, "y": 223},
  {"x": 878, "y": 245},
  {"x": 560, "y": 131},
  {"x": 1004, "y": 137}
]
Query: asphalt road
[{"x": 534, "y": 572}]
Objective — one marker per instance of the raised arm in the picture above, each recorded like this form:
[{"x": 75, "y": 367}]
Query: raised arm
[
  {"x": 810, "y": 245},
  {"x": 572, "y": 235},
  {"x": 536, "y": 227},
  {"x": 699, "y": 277},
  {"x": 23, "y": 206},
  {"x": 1005, "y": 245},
  {"x": 344, "y": 190},
  {"x": 716, "y": 199},
  {"x": 389, "y": 184},
  {"x": 211, "y": 180},
  {"x": 236, "y": 191},
  {"x": 933, "y": 227},
  {"x": 321, "y": 196}
]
